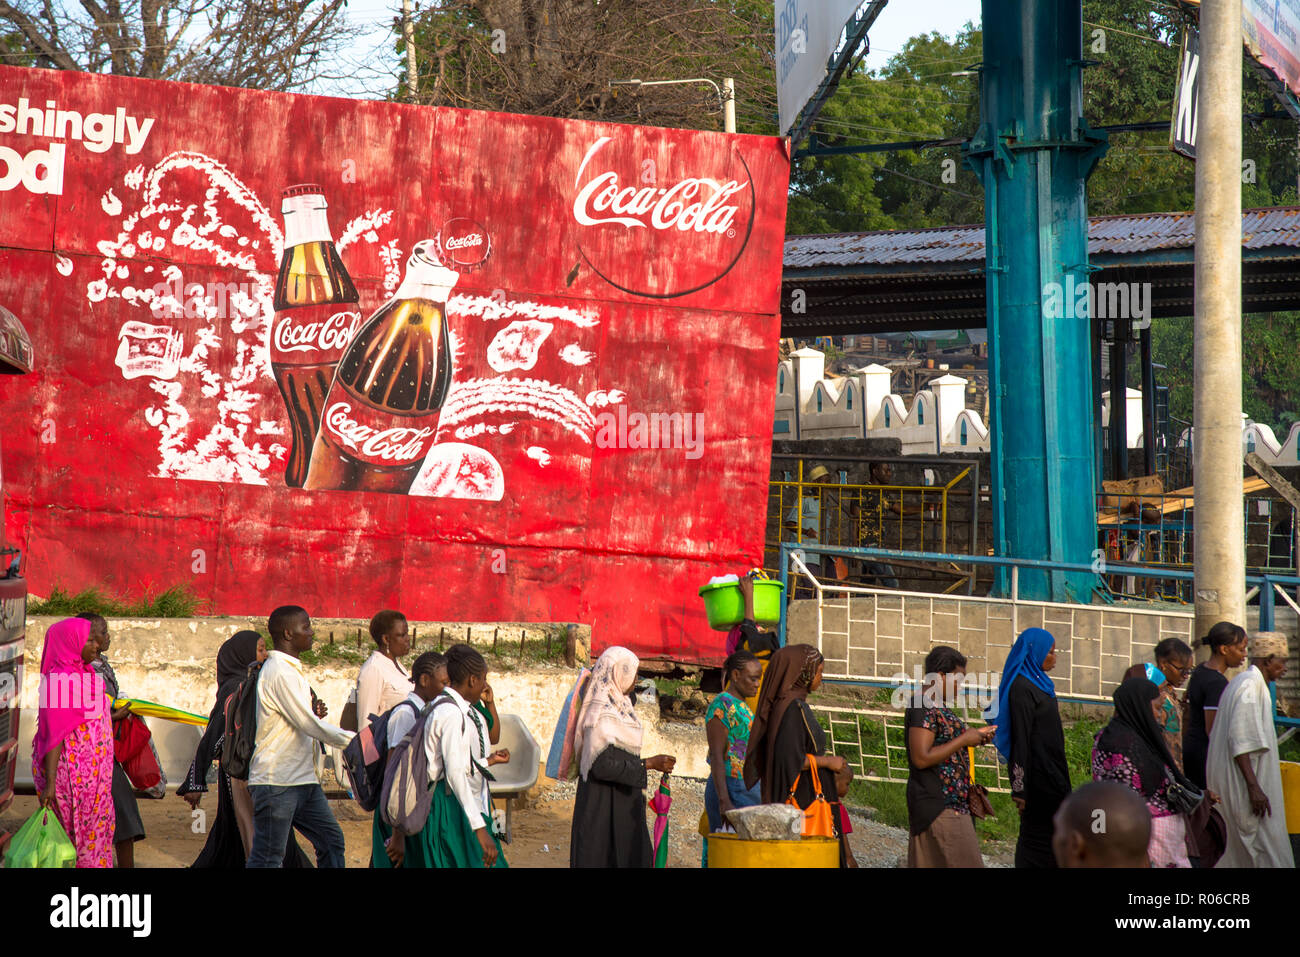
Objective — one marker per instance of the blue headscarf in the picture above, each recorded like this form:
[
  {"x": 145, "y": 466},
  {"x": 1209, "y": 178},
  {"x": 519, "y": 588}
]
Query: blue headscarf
[{"x": 1025, "y": 658}]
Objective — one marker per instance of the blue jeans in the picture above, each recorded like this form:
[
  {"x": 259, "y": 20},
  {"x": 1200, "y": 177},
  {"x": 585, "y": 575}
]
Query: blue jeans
[
  {"x": 740, "y": 795},
  {"x": 276, "y": 810}
]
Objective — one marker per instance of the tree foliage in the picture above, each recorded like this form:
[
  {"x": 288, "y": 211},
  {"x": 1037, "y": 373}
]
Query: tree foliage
[
  {"x": 557, "y": 58},
  {"x": 262, "y": 44}
]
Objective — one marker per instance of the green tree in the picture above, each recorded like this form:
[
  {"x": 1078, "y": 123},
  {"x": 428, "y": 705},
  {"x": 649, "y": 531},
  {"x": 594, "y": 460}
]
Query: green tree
[
  {"x": 557, "y": 58},
  {"x": 914, "y": 97}
]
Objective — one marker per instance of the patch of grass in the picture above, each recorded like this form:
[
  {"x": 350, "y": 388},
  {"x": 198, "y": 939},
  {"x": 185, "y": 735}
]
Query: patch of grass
[
  {"x": 179, "y": 601},
  {"x": 348, "y": 649},
  {"x": 889, "y": 799},
  {"x": 339, "y": 653},
  {"x": 1290, "y": 750}
]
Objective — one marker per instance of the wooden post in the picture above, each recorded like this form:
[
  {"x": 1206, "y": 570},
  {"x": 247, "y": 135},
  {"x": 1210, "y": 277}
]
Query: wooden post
[
  {"x": 522, "y": 635},
  {"x": 442, "y": 636},
  {"x": 571, "y": 646},
  {"x": 495, "y": 633}
]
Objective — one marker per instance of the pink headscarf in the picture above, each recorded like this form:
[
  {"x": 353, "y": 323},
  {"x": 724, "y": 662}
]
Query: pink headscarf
[
  {"x": 607, "y": 716},
  {"x": 71, "y": 693}
]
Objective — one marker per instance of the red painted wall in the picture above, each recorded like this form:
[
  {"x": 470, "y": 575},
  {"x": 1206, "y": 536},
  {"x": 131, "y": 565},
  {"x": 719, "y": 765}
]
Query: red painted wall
[{"x": 631, "y": 271}]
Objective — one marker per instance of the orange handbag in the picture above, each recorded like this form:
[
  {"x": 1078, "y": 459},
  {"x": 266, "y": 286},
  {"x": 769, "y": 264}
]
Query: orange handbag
[{"x": 817, "y": 817}]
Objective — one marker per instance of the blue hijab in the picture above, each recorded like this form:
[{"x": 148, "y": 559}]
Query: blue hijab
[{"x": 1026, "y": 658}]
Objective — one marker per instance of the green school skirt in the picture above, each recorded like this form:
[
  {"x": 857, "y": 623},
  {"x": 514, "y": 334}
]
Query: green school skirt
[
  {"x": 416, "y": 847},
  {"x": 447, "y": 838}
]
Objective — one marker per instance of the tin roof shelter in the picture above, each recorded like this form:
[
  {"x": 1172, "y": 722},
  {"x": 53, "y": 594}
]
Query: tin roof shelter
[{"x": 899, "y": 280}]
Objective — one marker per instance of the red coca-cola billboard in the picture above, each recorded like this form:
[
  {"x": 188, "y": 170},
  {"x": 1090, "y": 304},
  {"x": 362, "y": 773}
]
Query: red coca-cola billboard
[{"x": 356, "y": 355}]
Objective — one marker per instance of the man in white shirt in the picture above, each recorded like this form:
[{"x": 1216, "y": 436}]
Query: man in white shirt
[
  {"x": 456, "y": 747},
  {"x": 282, "y": 774},
  {"x": 1242, "y": 765}
]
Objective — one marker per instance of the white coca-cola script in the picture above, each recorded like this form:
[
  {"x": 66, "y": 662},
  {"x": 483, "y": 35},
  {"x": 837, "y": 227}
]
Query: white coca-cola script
[
  {"x": 694, "y": 204},
  {"x": 331, "y": 335},
  {"x": 398, "y": 446},
  {"x": 464, "y": 242}
]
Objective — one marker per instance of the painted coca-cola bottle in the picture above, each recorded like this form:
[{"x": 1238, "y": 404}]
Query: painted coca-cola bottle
[
  {"x": 381, "y": 415},
  {"x": 316, "y": 316}
]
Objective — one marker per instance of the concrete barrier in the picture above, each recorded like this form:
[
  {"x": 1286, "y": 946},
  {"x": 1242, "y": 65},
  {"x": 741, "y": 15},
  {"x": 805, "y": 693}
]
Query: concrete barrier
[{"x": 173, "y": 662}]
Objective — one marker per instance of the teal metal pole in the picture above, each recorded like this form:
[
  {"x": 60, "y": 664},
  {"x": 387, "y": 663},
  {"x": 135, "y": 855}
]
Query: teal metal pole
[{"x": 1034, "y": 152}]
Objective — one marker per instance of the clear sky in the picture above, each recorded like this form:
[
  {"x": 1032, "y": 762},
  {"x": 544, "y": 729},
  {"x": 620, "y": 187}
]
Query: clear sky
[
  {"x": 373, "y": 62},
  {"x": 904, "y": 19}
]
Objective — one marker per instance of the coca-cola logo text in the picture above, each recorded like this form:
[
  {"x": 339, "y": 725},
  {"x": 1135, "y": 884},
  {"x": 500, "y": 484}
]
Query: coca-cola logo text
[
  {"x": 668, "y": 208},
  {"x": 662, "y": 224},
  {"x": 398, "y": 446},
  {"x": 330, "y": 335},
  {"x": 463, "y": 243}
]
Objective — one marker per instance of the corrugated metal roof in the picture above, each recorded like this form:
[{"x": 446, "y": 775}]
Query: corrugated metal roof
[{"x": 1149, "y": 232}]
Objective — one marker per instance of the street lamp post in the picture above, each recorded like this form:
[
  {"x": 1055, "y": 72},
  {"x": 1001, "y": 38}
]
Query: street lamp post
[{"x": 727, "y": 98}]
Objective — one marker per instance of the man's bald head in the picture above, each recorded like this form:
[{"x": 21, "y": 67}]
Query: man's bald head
[{"x": 1102, "y": 824}]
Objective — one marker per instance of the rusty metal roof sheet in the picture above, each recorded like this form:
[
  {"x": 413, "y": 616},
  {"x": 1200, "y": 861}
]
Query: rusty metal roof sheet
[{"x": 1270, "y": 227}]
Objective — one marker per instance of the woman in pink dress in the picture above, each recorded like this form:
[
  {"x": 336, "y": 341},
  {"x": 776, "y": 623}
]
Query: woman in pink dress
[{"x": 72, "y": 756}]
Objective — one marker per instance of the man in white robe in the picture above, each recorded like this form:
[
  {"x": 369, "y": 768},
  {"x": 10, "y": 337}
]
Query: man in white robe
[{"x": 1243, "y": 766}]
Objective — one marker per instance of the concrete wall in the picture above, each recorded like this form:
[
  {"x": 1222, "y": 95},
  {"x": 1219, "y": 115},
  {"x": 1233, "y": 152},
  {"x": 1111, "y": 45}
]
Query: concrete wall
[{"x": 173, "y": 662}]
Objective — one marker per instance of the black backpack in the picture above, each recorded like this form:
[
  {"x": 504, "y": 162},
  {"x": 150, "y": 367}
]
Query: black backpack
[
  {"x": 241, "y": 726},
  {"x": 366, "y": 757}
]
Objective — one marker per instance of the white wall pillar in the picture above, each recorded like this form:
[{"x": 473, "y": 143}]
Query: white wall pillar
[{"x": 875, "y": 386}]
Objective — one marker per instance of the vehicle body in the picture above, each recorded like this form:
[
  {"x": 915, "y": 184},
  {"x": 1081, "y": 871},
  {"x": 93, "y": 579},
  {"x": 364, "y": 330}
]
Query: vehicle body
[{"x": 15, "y": 359}]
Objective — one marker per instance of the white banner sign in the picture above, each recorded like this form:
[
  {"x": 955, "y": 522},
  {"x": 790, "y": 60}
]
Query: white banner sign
[
  {"x": 1272, "y": 34},
  {"x": 807, "y": 32}
]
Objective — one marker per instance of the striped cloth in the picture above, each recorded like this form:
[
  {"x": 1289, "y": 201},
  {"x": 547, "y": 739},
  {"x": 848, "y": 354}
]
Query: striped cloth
[{"x": 1168, "y": 847}]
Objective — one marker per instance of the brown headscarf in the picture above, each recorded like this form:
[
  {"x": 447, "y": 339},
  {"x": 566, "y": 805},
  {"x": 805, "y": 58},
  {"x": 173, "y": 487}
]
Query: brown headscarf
[{"x": 787, "y": 679}]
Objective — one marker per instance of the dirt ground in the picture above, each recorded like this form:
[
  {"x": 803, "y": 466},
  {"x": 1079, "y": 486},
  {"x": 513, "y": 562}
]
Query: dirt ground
[{"x": 540, "y": 830}]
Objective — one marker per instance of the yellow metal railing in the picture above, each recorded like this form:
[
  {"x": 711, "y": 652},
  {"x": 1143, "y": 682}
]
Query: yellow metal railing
[{"x": 912, "y": 517}]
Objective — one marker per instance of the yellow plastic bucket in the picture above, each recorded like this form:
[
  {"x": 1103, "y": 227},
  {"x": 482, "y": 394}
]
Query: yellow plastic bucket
[
  {"x": 728, "y": 850},
  {"x": 1291, "y": 795}
]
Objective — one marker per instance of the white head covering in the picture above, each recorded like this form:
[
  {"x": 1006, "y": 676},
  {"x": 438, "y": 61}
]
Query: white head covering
[{"x": 607, "y": 716}]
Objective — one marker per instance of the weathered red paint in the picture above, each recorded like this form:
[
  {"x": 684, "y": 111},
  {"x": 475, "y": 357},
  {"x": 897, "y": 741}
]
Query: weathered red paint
[{"x": 618, "y": 537}]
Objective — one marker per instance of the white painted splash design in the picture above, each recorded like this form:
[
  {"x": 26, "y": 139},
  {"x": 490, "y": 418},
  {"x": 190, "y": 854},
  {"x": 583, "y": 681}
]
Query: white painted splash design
[{"x": 222, "y": 224}]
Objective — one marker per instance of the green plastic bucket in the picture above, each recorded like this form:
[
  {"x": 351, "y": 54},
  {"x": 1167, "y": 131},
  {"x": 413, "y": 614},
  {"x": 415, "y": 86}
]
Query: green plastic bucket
[{"x": 725, "y": 606}]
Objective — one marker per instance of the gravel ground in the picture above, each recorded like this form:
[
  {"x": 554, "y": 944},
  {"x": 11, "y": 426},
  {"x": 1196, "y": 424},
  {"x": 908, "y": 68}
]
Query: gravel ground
[{"x": 874, "y": 844}]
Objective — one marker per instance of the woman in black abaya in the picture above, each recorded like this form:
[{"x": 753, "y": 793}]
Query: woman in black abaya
[
  {"x": 785, "y": 733},
  {"x": 225, "y": 846},
  {"x": 609, "y": 824}
]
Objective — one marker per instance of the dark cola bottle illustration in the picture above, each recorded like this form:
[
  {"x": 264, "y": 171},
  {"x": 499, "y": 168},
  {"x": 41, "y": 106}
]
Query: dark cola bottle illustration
[
  {"x": 316, "y": 316},
  {"x": 381, "y": 415}
]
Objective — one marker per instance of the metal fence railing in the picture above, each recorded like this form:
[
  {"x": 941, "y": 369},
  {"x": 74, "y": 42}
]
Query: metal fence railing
[
  {"x": 872, "y": 739},
  {"x": 833, "y": 511},
  {"x": 873, "y": 742},
  {"x": 1157, "y": 530}
]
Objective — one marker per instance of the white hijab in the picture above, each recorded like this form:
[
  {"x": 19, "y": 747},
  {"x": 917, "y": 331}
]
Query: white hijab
[{"x": 607, "y": 716}]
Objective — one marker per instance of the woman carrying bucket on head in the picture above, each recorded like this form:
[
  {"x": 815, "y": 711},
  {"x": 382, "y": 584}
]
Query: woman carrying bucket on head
[{"x": 747, "y": 637}]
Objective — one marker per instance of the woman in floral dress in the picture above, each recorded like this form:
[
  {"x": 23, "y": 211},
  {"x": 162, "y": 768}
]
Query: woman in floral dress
[
  {"x": 72, "y": 756},
  {"x": 1132, "y": 750},
  {"x": 938, "y": 810}
]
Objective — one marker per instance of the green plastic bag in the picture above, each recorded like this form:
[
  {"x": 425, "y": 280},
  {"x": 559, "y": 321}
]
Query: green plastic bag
[{"x": 41, "y": 842}]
